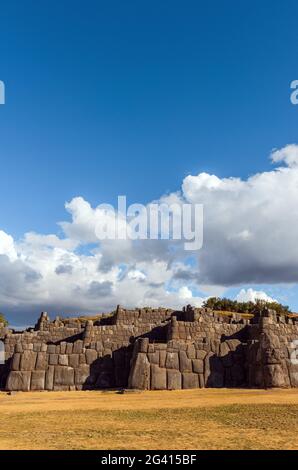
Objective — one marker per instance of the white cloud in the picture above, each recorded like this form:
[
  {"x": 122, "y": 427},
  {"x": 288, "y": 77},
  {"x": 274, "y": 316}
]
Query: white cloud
[
  {"x": 136, "y": 275},
  {"x": 251, "y": 295},
  {"x": 288, "y": 155},
  {"x": 250, "y": 237},
  {"x": 7, "y": 246},
  {"x": 250, "y": 229},
  {"x": 185, "y": 293}
]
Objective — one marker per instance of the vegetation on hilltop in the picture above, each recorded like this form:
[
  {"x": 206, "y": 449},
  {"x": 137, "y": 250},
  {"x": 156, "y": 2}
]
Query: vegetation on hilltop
[{"x": 228, "y": 305}]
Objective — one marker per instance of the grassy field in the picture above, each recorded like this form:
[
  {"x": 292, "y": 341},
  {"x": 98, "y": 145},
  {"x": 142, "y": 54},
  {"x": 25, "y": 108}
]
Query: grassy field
[{"x": 186, "y": 419}]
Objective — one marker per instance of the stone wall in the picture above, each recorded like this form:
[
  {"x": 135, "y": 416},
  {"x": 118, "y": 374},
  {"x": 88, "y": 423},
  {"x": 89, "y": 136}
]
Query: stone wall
[
  {"x": 151, "y": 349},
  {"x": 273, "y": 353},
  {"x": 178, "y": 364}
]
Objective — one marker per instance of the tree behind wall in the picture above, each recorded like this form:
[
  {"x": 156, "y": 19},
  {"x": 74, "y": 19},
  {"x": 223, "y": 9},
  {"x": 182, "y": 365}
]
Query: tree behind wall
[
  {"x": 3, "y": 319},
  {"x": 216, "y": 303}
]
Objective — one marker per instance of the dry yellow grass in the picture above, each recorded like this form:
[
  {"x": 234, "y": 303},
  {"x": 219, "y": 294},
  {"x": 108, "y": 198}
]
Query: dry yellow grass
[{"x": 186, "y": 419}]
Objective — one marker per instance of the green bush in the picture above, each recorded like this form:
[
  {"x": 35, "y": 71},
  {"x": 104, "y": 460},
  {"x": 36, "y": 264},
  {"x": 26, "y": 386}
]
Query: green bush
[
  {"x": 216, "y": 303},
  {"x": 3, "y": 319}
]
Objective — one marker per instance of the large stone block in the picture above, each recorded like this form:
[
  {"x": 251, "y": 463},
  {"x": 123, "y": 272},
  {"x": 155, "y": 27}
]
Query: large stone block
[
  {"x": 201, "y": 354},
  {"x": 91, "y": 355},
  {"x": 18, "y": 380},
  {"x": 78, "y": 347},
  {"x": 69, "y": 348},
  {"x": 73, "y": 360},
  {"x": 49, "y": 381},
  {"x": 158, "y": 378},
  {"x": 185, "y": 363},
  {"x": 172, "y": 360},
  {"x": 223, "y": 349},
  {"x": 191, "y": 352},
  {"x": 198, "y": 366},
  {"x": 201, "y": 381},
  {"x": 214, "y": 371},
  {"x": 274, "y": 376},
  {"x": 154, "y": 358},
  {"x": 63, "y": 360},
  {"x": 139, "y": 376},
  {"x": 174, "y": 379},
  {"x": 53, "y": 359},
  {"x": 81, "y": 374},
  {"x": 38, "y": 380},
  {"x": 190, "y": 380},
  {"x": 28, "y": 360},
  {"x": 64, "y": 375},
  {"x": 41, "y": 361},
  {"x": 162, "y": 358},
  {"x": 143, "y": 344},
  {"x": 51, "y": 349},
  {"x": 15, "y": 363}
]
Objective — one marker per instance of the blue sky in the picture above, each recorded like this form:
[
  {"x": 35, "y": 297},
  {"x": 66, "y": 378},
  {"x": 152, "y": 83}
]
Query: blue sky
[{"x": 109, "y": 98}]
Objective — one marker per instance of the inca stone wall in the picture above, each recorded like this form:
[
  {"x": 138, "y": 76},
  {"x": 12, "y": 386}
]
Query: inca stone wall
[{"x": 153, "y": 349}]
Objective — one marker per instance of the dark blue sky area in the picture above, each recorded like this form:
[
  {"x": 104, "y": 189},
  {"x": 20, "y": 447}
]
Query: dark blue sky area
[{"x": 128, "y": 97}]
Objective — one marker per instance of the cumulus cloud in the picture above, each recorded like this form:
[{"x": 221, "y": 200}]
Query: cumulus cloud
[
  {"x": 250, "y": 237},
  {"x": 288, "y": 155},
  {"x": 7, "y": 246},
  {"x": 250, "y": 229},
  {"x": 251, "y": 295}
]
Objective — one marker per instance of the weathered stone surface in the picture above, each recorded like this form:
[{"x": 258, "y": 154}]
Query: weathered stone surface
[
  {"x": 91, "y": 355},
  {"x": 63, "y": 360},
  {"x": 28, "y": 360},
  {"x": 185, "y": 363},
  {"x": 190, "y": 380},
  {"x": 201, "y": 354},
  {"x": 210, "y": 350},
  {"x": 15, "y": 364},
  {"x": 174, "y": 379},
  {"x": 69, "y": 348},
  {"x": 73, "y": 360},
  {"x": 53, "y": 359},
  {"x": 78, "y": 347},
  {"x": 158, "y": 378},
  {"x": 172, "y": 360},
  {"x": 139, "y": 376},
  {"x": 143, "y": 345},
  {"x": 19, "y": 348},
  {"x": 293, "y": 375},
  {"x": 214, "y": 371},
  {"x": 274, "y": 376},
  {"x": 191, "y": 352},
  {"x": 82, "y": 358},
  {"x": 49, "y": 380},
  {"x": 233, "y": 344},
  {"x": 51, "y": 349},
  {"x": 19, "y": 380},
  {"x": 224, "y": 349},
  {"x": 41, "y": 361},
  {"x": 81, "y": 374},
  {"x": 154, "y": 358},
  {"x": 38, "y": 380},
  {"x": 63, "y": 376},
  {"x": 198, "y": 366},
  {"x": 201, "y": 381},
  {"x": 162, "y": 358}
]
